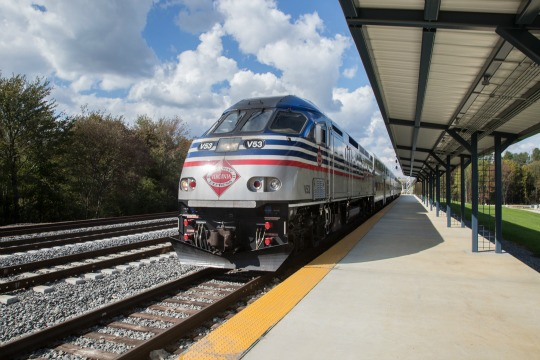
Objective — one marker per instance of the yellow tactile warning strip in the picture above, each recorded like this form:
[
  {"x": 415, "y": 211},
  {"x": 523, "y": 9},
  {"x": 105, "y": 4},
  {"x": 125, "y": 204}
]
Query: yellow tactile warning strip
[{"x": 237, "y": 335}]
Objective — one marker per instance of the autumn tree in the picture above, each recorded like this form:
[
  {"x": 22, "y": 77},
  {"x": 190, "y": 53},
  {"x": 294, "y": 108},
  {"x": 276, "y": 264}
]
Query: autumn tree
[
  {"x": 106, "y": 163},
  {"x": 167, "y": 142}
]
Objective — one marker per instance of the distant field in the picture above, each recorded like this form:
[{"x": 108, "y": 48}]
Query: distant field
[{"x": 520, "y": 226}]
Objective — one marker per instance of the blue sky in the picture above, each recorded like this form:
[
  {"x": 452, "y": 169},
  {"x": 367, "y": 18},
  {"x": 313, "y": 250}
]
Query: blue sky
[{"x": 193, "y": 58}]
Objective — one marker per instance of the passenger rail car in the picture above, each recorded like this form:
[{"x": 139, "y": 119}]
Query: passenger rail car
[{"x": 271, "y": 177}]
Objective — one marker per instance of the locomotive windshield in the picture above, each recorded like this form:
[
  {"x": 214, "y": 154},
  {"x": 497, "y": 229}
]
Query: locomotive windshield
[
  {"x": 244, "y": 121},
  {"x": 257, "y": 121},
  {"x": 288, "y": 122},
  {"x": 229, "y": 122}
]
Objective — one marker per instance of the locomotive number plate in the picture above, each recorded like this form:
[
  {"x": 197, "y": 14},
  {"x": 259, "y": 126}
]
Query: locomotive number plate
[
  {"x": 206, "y": 145},
  {"x": 254, "y": 144}
]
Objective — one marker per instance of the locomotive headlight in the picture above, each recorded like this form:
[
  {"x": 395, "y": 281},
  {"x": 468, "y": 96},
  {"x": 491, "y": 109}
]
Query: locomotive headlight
[
  {"x": 274, "y": 184},
  {"x": 188, "y": 184},
  {"x": 228, "y": 144}
]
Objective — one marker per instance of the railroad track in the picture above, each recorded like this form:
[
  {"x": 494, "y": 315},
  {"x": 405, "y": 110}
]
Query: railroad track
[
  {"x": 49, "y": 241},
  {"x": 40, "y": 228},
  {"x": 67, "y": 266},
  {"x": 158, "y": 316}
]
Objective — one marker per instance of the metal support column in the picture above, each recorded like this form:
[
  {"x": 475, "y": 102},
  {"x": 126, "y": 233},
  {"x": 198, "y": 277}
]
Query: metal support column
[
  {"x": 438, "y": 190},
  {"x": 498, "y": 193},
  {"x": 474, "y": 188},
  {"x": 462, "y": 191},
  {"x": 431, "y": 191},
  {"x": 448, "y": 193}
]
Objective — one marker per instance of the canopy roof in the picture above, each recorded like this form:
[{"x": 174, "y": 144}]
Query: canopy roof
[{"x": 442, "y": 70}]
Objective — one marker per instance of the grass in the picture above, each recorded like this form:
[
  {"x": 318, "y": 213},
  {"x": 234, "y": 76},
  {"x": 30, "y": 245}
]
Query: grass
[{"x": 519, "y": 226}]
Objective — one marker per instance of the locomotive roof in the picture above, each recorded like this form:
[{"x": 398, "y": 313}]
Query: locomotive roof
[{"x": 282, "y": 102}]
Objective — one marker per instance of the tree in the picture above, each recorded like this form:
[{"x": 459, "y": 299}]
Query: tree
[
  {"x": 31, "y": 142},
  {"x": 167, "y": 142},
  {"x": 535, "y": 155},
  {"x": 534, "y": 171},
  {"x": 508, "y": 178},
  {"x": 107, "y": 163}
]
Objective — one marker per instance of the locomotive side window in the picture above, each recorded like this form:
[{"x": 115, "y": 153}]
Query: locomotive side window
[
  {"x": 229, "y": 122},
  {"x": 257, "y": 121},
  {"x": 289, "y": 123}
]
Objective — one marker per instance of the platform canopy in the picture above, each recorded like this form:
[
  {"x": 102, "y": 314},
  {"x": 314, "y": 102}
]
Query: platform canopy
[{"x": 442, "y": 70}]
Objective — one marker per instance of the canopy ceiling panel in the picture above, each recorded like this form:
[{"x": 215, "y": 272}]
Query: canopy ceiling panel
[
  {"x": 398, "y": 74},
  {"x": 403, "y": 134},
  {"x": 427, "y": 138},
  {"x": 494, "y": 6},
  {"x": 443, "y": 70}
]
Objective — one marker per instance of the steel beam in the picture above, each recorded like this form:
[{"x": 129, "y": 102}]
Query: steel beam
[
  {"x": 428, "y": 39},
  {"x": 462, "y": 190},
  {"x": 431, "y": 191},
  {"x": 528, "y": 12},
  {"x": 474, "y": 188},
  {"x": 348, "y": 7},
  {"x": 498, "y": 194},
  {"x": 437, "y": 191},
  {"x": 446, "y": 19},
  {"x": 448, "y": 192},
  {"x": 431, "y": 10},
  {"x": 526, "y": 42}
]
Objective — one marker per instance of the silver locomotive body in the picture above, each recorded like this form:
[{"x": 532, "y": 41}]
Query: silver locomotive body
[{"x": 273, "y": 175}]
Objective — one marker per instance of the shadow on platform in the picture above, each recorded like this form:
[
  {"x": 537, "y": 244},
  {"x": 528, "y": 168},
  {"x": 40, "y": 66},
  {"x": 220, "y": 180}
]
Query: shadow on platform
[{"x": 404, "y": 230}]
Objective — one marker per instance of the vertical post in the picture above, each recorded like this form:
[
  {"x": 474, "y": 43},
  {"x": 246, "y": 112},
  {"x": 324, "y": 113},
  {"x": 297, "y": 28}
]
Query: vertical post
[
  {"x": 498, "y": 193},
  {"x": 474, "y": 188},
  {"x": 448, "y": 193},
  {"x": 426, "y": 188},
  {"x": 431, "y": 191},
  {"x": 438, "y": 191},
  {"x": 462, "y": 191}
]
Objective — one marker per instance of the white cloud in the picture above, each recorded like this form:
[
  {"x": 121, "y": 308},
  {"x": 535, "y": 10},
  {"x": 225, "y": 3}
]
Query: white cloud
[
  {"x": 350, "y": 72},
  {"x": 526, "y": 145},
  {"x": 80, "y": 41},
  {"x": 89, "y": 47},
  {"x": 308, "y": 61},
  {"x": 188, "y": 83},
  {"x": 196, "y": 16}
]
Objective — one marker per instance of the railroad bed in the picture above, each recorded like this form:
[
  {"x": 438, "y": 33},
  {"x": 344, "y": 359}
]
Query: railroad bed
[
  {"x": 132, "y": 327},
  {"x": 122, "y": 308}
]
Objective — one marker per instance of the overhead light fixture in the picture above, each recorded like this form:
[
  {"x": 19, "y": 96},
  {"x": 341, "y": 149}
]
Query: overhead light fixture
[{"x": 486, "y": 80}]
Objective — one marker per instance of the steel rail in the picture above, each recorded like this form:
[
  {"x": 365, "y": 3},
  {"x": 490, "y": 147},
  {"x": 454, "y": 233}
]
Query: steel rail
[
  {"x": 20, "y": 268},
  {"x": 28, "y": 229},
  {"x": 76, "y": 270},
  {"x": 30, "y": 342},
  {"x": 47, "y": 238},
  {"x": 78, "y": 238},
  {"x": 177, "y": 331}
]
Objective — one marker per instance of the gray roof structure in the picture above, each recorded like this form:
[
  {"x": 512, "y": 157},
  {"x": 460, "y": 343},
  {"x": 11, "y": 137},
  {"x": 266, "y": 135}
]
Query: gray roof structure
[{"x": 442, "y": 70}]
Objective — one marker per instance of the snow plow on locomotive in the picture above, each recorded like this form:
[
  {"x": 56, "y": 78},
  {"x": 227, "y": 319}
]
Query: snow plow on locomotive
[{"x": 272, "y": 177}]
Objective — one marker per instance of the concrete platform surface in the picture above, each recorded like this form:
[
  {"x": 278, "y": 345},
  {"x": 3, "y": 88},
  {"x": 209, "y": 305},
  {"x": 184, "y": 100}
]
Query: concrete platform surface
[{"x": 412, "y": 289}]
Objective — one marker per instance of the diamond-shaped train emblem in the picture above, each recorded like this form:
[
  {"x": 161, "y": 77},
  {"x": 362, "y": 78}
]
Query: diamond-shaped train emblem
[{"x": 222, "y": 177}]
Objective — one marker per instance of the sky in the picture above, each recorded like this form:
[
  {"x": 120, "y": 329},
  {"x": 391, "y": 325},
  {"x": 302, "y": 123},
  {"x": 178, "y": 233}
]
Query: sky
[{"x": 193, "y": 59}]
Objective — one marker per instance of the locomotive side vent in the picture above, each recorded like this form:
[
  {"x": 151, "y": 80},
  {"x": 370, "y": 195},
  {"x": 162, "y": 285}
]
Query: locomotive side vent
[{"x": 319, "y": 188}]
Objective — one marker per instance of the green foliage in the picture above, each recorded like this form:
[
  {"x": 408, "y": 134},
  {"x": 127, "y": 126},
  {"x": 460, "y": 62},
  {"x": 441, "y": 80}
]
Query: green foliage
[
  {"x": 54, "y": 167},
  {"x": 32, "y": 139}
]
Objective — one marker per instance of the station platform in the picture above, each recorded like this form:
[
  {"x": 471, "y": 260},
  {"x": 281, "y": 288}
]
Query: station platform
[{"x": 401, "y": 286}]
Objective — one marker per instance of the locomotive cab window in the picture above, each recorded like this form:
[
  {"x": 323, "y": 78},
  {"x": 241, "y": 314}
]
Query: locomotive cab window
[
  {"x": 229, "y": 122},
  {"x": 288, "y": 123},
  {"x": 257, "y": 121}
]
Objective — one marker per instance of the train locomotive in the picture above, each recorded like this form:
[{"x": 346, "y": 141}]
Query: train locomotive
[{"x": 272, "y": 177}]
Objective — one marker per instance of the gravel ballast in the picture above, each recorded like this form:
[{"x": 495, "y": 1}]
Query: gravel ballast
[{"x": 35, "y": 311}]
